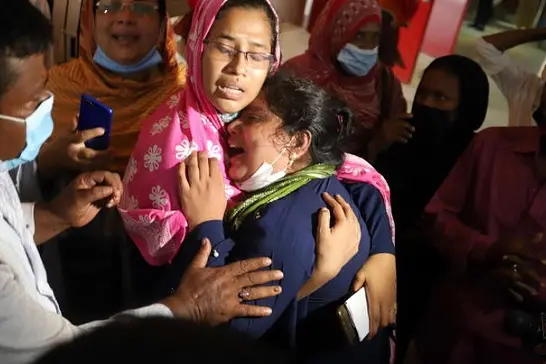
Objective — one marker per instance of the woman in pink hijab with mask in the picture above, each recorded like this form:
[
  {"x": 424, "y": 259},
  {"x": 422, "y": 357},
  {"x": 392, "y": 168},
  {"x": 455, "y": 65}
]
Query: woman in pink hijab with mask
[{"x": 232, "y": 47}]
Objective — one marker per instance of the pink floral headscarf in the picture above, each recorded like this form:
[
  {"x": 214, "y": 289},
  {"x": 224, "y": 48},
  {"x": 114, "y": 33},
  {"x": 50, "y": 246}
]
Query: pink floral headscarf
[{"x": 187, "y": 122}]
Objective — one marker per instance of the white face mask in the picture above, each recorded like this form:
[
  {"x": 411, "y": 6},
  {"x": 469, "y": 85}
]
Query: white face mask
[{"x": 263, "y": 177}]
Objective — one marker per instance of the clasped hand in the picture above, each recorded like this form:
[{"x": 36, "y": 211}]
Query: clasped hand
[
  {"x": 514, "y": 267},
  {"x": 85, "y": 196}
]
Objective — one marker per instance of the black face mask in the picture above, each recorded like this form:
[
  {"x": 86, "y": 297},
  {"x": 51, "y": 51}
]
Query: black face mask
[{"x": 432, "y": 126}]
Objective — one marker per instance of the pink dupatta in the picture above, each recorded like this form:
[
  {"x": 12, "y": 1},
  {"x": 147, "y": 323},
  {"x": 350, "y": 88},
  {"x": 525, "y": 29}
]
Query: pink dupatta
[{"x": 187, "y": 122}]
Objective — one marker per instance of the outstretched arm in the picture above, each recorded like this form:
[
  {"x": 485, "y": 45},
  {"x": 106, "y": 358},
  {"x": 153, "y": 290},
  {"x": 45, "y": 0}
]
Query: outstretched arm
[{"x": 513, "y": 38}]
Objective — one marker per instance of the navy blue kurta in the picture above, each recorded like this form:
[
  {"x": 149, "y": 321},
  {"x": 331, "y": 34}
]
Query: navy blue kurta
[{"x": 285, "y": 231}]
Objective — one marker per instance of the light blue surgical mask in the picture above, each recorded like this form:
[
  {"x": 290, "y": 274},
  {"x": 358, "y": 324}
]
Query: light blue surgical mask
[
  {"x": 39, "y": 126},
  {"x": 357, "y": 62},
  {"x": 152, "y": 59}
]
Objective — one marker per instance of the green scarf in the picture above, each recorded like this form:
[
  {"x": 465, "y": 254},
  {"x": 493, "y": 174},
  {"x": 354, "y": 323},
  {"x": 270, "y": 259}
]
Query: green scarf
[{"x": 276, "y": 191}]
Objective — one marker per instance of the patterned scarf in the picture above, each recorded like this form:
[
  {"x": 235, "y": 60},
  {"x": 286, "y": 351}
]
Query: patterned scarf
[
  {"x": 276, "y": 191},
  {"x": 150, "y": 205}
]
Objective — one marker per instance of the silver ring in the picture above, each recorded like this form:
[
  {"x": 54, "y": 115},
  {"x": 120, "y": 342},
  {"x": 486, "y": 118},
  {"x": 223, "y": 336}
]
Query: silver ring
[{"x": 515, "y": 268}]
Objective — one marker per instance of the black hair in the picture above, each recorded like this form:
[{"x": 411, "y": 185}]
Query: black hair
[
  {"x": 473, "y": 89},
  {"x": 162, "y": 340},
  {"x": 253, "y": 4},
  {"x": 24, "y": 32},
  {"x": 303, "y": 106}
]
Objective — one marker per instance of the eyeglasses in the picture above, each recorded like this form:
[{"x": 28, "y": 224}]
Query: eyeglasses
[
  {"x": 223, "y": 52},
  {"x": 141, "y": 8}
]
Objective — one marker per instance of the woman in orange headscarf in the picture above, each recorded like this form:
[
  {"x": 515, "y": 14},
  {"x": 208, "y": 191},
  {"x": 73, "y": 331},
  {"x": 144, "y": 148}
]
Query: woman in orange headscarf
[
  {"x": 343, "y": 58},
  {"x": 127, "y": 60}
]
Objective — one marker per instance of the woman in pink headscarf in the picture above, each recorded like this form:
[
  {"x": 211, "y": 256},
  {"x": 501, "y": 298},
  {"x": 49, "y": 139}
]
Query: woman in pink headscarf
[
  {"x": 343, "y": 59},
  {"x": 228, "y": 62}
]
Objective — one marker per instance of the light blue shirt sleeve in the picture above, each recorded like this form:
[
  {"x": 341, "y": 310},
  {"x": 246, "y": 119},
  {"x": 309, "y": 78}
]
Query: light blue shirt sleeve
[
  {"x": 28, "y": 329},
  {"x": 31, "y": 322}
]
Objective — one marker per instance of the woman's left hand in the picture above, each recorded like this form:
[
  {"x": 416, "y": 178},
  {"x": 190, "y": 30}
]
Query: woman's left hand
[
  {"x": 201, "y": 188},
  {"x": 336, "y": 245},
  {"x": 378, "y": 275}
]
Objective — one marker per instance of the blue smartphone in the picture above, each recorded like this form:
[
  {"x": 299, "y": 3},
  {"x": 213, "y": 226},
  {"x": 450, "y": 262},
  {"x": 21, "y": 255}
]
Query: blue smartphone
[{"x": 94, "y": 114}]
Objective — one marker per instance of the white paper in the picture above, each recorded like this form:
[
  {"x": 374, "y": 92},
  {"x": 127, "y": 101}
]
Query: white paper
[{"x": 357, "y": 306}]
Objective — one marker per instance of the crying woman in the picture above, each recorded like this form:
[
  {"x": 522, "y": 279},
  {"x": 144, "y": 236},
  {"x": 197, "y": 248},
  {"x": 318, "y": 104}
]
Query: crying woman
[{"x": 284, "y": 151}]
